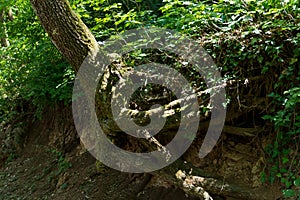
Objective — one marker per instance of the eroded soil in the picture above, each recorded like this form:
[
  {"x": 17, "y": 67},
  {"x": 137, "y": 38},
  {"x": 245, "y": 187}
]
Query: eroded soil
[{"x": 41, "y": 171}]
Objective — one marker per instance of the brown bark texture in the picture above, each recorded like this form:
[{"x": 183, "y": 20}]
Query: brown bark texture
[
  {"x": 66, "y": 30},
  {"x": 3, "y": 31}
]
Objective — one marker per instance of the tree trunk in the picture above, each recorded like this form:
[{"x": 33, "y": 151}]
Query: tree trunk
[
  {"x": 3, "y": 31},
  {"x": 74, "y": 40},
  {"x": 66, "y": 30}
]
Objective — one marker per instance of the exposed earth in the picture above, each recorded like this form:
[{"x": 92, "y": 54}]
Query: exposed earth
[{"x": 42, "y": 169}]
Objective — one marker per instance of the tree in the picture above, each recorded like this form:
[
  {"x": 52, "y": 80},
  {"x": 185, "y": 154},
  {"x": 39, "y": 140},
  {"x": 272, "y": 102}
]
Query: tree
[
  {"x": 245, "y": 60},
  {"x": 66, "y": 30},
  {"x": 5, "y": 14},
  {"x": 74, "y": 40}
]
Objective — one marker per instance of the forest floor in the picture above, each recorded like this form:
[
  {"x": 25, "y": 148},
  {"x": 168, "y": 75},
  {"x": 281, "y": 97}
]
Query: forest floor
[
  {"x": 39, "y": 174},
  {"x": 42, "y": 173},
  {"x": 232, "y": 171}
]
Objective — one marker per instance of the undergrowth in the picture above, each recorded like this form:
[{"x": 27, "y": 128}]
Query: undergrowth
[{"x": 246, "y": 39}]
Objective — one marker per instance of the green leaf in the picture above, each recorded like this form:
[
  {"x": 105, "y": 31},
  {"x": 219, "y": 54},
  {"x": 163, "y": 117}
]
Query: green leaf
[
  {"x": 297, "y": 182},
  {"x": 288, "y": 193},
  {"x": 285, "y": 160}
]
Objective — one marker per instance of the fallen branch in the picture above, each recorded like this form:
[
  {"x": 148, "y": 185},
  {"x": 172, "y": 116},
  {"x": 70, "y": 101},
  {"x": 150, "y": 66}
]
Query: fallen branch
[{"x": 203, "y": 184}]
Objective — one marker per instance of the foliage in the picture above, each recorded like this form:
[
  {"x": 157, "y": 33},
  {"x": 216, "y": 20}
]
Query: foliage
[
  {"x": 31, "y": 68},
  {"x": 109, "y": 17},
  {"x": 61, "y": 163},
  {"x": 11, "y": 157},
  {"x": 284, "y": 154},
  {"x": 247, "y": 40}
]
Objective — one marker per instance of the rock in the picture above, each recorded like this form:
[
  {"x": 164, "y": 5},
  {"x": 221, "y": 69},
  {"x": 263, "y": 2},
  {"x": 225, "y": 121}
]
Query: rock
[{"x": 180, "y": 175}]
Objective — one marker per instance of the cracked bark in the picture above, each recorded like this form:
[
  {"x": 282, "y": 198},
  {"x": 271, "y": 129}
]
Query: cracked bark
[
  {"x": 3, "y": 30},
  {"x": 66, "y": 30}
]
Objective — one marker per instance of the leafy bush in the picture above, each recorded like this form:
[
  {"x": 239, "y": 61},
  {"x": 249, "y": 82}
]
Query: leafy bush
[
  {"x": 247, "y": 39},
  {"x": 284, "y": 154},
  {"x": 32, "y": 71}
]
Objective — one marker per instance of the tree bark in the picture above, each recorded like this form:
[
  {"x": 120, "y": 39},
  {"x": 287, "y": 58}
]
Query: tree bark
[
  {"x": 3, "y": 31},
  {"x": 66, "y": 30}
]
